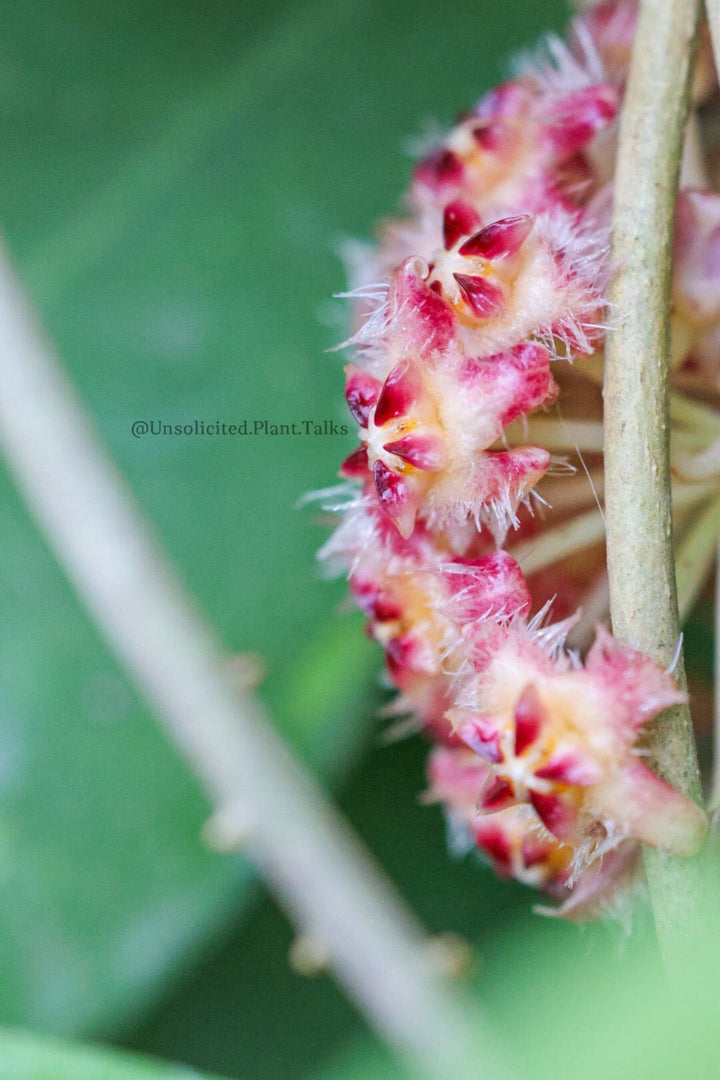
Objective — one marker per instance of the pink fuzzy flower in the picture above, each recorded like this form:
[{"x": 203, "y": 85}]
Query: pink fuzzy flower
[
  {"x": 563, "y": 738},
  {"x": 417, "y": 596},
  {"x": 696, "y": 284},
  {"x": 524, "y": 143},
  {"x": 468, "y": 318},
  {"x": 427, "y": 425},
  {"x": 517, "y": 845}
]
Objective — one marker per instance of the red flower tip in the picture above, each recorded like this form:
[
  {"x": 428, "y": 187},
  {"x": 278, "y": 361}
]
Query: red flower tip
[
  {"x": 424, "y": 452},
  {"x": 530, "y": 715},
  {"x": 500, "y": 239},
  {"x": 361, "y": 393},
  {"x": 355, "y": 466},
  {"x": 485, "y": 298},
  {"x": 459, "y": 219},
  {"x": 400, "y": 391},
  {"x": 398, "y": 498},
  {"x": 497, "y": 796}
]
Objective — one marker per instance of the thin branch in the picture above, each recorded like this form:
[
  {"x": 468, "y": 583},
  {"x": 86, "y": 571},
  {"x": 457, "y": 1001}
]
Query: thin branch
[
  {"x": 643, "y": 595},
  {"x": 306, "y": 853},
  {"x": 712, "y": 8},
  {"x": 714, "y": 799}
]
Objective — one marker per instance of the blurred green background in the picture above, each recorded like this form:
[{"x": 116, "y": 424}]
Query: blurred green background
[{"x": 175, "y": 182}]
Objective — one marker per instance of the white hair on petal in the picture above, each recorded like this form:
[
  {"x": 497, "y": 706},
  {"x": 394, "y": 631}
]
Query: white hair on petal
[
  {"x": 340, "y": 496},
  {"x": 557, "y": 70},
  {"x": 593, "y": 849},
  {"x": 356, "y": 533}
]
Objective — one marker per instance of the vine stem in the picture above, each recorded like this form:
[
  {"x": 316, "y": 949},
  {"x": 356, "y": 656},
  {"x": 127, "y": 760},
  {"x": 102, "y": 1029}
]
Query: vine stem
[
  {"x": 712, "y": 7},
  {"x": 264, "y": 800},
  {"x": 714, "y": 797},
  {"x": 643, "y": 593}
]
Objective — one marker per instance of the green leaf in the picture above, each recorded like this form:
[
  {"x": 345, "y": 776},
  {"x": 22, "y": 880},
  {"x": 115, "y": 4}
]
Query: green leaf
[
  {"x": 138, "y": 252},
  {"x": 610, "y": 1011},
  {"x": 28, "y": 1057},
  {"x": 174, "y": 181},
  {"x": 361, "y": 1061}
]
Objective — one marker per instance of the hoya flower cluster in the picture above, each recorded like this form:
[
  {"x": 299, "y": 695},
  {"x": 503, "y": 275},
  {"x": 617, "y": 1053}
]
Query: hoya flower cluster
[{"x": 479, "y": 316}]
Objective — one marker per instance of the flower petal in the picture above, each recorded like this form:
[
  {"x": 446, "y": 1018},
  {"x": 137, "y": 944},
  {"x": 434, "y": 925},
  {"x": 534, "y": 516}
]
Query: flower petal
[
  {"x": 399, "y": 498},
  {"x": 426, "y": 452},
  {"x": 500, "y": 239},
  {"x": 355, "y": 464},
  {"x": 361, "y": 393},
  {"x": 530, "y": 716},
  {"x": 651, "y": 810},
  {"x": 484, "y": 297},
  {"x": 399, "y": 393},
  {"x": 459, "y": 219}
]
